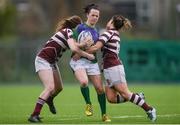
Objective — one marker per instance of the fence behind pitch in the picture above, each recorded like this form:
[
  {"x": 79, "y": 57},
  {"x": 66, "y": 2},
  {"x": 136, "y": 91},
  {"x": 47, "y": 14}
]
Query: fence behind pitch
[
  {"x": 151, "y": 60},
  {"x": 144, "y": 61}
]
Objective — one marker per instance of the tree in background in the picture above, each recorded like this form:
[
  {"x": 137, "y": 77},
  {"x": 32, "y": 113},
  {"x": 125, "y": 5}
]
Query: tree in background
[{"x": 7, "y": 18}]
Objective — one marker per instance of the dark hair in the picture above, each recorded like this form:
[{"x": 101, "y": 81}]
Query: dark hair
[
  {"x": 121, "y": 22},
  {"x": 88, "y": 8},
  {"x": 70, "y": 23}
]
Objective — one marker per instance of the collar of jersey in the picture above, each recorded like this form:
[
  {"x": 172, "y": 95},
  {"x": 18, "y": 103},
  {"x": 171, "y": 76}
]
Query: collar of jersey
[{"x": 89, "y": 26}]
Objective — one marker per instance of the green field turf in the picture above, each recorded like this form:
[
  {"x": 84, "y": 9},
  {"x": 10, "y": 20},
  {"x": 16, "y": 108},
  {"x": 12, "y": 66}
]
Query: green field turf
[{"x": 17, "y": 103}]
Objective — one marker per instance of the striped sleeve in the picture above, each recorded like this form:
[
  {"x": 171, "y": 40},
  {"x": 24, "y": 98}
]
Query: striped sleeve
[{"x": 105, "y": 37}]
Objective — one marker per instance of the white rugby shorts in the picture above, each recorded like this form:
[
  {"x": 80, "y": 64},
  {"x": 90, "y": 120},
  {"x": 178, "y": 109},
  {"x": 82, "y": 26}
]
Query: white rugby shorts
[
  {"x": 114, "y": 75},
  {"x": 91, "y": 68},
  {"x": 41, "y": 64}
]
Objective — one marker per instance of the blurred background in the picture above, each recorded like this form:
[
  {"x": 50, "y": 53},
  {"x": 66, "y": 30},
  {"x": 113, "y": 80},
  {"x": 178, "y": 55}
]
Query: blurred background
[{"x": 150, "y": 51}]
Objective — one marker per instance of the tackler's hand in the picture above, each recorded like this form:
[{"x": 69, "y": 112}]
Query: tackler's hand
[
  {"x": 89, "y": 42},
  {"x": 76, "y": 57},
  {"x": 91, "y": 57}
]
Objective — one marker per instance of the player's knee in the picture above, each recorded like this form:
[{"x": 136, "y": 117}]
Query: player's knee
[
  {"x": 99, "y": 90},
  {"x": 111, "y": 99},
  {"x": 51, "y": 89},
  {"x": 125, "y": 95},
  {"x": 83, "y": 83}
]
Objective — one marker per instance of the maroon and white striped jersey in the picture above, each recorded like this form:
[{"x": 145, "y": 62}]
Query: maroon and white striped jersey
[
  {"x": 56, "y": 45},
  {"x": 111, "y": 48}
]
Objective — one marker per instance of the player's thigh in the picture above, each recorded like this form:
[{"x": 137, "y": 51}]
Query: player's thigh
[
  {"x": 96, "y": 79},
  {"x": 97, "y": 82},
  {"x": 47, "y": 78},
  {"x": 123, "y": 89},
  {"x": 111, "y": 94},
  {"x": 81, "y": 76}
]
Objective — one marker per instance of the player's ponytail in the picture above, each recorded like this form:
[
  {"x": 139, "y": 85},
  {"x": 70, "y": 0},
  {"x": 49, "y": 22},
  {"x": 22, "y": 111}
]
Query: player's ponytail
[
  {"x": 127, "y": 24},
  {"x": 70, "y": 23},
  {"x": 121, "y": 23}
]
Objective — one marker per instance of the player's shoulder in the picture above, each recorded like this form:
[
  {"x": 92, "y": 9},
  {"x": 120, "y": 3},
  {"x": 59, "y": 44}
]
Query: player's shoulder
[
  {"x": 67, "y": 29},
  {"x": 106, "y": 32},
  {"x": 81, "y": 27},
  {"x": 110, "y": 31}
]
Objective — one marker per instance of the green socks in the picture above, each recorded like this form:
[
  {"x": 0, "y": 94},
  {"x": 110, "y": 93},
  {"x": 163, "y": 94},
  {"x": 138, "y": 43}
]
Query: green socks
[
  {"x": 102, "y": 102},
  {"x": 85, "y": 93},
  {"x": 101, "y": 99}
]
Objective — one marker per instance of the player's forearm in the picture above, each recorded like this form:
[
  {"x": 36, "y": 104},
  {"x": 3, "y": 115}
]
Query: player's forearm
[
  {"x": 82, "y": 53},
  {"x": 95, "y": 47},
  {"x": 81, "y": 45},
  {"x": 92, "y": 49}
]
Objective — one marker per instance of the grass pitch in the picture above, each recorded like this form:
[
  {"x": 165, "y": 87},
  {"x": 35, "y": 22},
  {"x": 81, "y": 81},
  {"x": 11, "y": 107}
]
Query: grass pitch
[{"x": 17, "y": 103}]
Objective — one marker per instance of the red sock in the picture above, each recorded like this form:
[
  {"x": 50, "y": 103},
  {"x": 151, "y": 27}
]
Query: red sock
[
  {"x": 136, "y": 99},
  {"x": 146, "y": 107},
  {"x": 38, "y": 107}
]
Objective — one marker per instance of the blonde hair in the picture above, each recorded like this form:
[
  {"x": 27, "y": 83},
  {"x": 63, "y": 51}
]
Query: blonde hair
[
  {"x": 127, "y": 25},
  {"x": 70, "y": 23},
  {"x": 121, "y": 23}
]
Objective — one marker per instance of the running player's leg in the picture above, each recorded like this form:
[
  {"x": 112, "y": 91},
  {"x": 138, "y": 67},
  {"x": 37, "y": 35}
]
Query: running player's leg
[
  {"x": 79, "y": 68},
  {"x": 46, "y": 77},
  {"x": 58, "y": 82},
  {"x": 82, "y": 77},
  {"x": 97, "y": 82},
  {"x": 115, "y": 77},
  {"x": 122, "y": 88},
  {"x": 58, "y": 88},
  {"x": 113, "y": 96}
]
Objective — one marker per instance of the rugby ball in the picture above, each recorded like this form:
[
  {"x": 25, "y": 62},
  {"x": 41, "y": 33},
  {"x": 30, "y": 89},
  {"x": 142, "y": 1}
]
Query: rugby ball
[{"x": 83, "y": 35}]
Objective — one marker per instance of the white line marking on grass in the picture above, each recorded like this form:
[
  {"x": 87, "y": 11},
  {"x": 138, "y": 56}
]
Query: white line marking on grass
[
  {"x": 67, "y": 119},
  {"x": 140, "y": 116},
  {"x": 169, "y": 115},
  {"x": 127, "y": 116}
]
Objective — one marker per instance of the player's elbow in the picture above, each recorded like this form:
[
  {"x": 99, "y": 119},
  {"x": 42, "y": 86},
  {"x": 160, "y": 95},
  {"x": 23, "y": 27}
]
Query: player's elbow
[{"x": 96, "y": 49}]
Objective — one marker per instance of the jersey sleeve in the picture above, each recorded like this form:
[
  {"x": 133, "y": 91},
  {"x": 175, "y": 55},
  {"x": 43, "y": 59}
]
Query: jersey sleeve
[
  {"x": 75, "y": 34},
  {"x": 105, "y": 37},
  {"x": 77, "y": 31}
]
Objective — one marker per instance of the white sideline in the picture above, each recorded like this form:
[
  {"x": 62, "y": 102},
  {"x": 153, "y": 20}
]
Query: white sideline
[
  {"x": 74, "y": 117},
  {"x": 140, "y": 116}
]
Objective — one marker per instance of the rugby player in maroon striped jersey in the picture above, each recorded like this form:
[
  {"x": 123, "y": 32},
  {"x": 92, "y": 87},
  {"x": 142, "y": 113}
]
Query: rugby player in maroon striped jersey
[
  {"x": 46, "y": 63},
  {"x": 117, "y": 89}
]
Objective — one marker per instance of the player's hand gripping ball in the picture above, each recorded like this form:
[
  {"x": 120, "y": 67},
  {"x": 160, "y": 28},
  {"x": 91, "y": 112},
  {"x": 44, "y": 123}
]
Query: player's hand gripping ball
[{"x": 86, "y": 37}]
